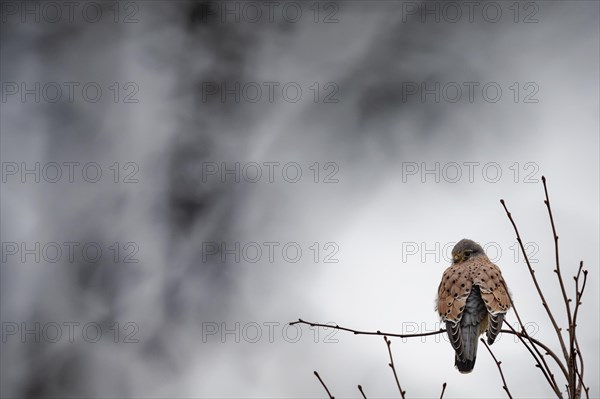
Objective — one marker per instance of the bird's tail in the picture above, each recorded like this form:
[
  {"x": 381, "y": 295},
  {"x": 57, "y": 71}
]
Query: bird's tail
[{"x": 466, "y": 362}]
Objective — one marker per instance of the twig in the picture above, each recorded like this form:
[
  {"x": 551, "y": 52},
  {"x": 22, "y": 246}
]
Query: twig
[
  {"x": 567, "y": 301},
  {"x": 391, "y": 364},
  {"x": 557, "y": 259},
  {"x": 324, "y": 386},
  {"x": 577, "y": 354},
  {"x": 443, "y": 390},
  {"x": 498, "y": 363},
  {"x": 579, "y": 293},
  {"x": 362, "y": 392},
  {"x": 358, "y": 332},
  {"x": 581, "y": 383}
]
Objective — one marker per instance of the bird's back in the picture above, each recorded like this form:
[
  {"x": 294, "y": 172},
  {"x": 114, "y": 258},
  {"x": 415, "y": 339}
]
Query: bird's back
[{"x": 472, "y": 298}]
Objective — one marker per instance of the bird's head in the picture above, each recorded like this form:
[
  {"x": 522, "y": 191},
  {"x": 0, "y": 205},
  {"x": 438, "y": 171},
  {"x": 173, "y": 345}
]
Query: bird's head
[{"x": 465, "y": 249}]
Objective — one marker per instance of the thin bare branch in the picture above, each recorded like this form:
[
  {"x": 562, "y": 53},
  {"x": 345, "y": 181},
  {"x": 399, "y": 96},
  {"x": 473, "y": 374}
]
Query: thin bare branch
[
  {"x": 578, "y": 293},
  {"x": 567, "y": 301},
  {"x": 498, "y": 363},
  {"x": 581, "y": 384},
  {"x": 391, "y": 364},
  {"x": 443, "y": 390},
  {"x": 324, "y": 386},
  {"x": 537, "y": 286},
  {"x": 579, "y": 367},
  {"x": 362, "y": 392},
  {"x": 358, "y": 332},
  {"x": 556, "y": 257}
]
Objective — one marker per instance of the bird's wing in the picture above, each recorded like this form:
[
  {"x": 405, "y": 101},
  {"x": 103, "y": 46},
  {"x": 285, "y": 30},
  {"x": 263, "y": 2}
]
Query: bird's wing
[
  {"x": 453, "y": 292},
  {"x": 493, "y": 292}
]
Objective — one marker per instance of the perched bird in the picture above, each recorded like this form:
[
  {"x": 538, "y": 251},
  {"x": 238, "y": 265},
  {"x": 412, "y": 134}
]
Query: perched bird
[{"x": 472, "y": 299}]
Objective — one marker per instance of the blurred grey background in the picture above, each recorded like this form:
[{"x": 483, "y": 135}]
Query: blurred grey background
[{"x": 375, "y": 97}]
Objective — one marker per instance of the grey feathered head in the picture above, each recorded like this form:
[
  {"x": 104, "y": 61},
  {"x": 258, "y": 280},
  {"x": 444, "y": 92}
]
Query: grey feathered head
[{"x": 464, "y": 249}]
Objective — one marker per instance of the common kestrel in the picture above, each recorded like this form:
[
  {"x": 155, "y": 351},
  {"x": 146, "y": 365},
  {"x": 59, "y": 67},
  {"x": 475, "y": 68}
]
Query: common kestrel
[{"x": 472, "y": 298}]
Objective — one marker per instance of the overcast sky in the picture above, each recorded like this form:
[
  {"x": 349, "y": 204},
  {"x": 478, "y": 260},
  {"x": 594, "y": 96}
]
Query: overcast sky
[{"x": 182, "y": 179}]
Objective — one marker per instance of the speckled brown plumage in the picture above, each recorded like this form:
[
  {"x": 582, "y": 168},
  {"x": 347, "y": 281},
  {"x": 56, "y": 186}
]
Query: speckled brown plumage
[{"x": 458, "y": 280}]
